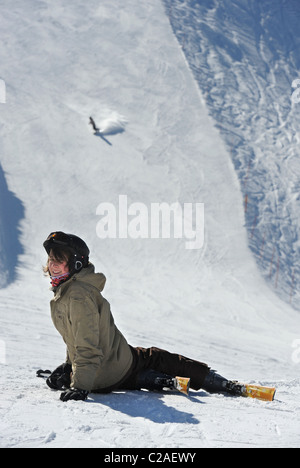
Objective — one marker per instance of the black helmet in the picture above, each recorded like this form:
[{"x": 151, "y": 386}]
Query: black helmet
[{"x": 76, "y": 246}]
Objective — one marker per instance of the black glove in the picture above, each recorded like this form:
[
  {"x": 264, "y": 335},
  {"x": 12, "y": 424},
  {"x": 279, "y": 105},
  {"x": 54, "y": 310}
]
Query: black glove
[
  {"x": 60, "y": 378},
  {"x": 74, "y": 394}
]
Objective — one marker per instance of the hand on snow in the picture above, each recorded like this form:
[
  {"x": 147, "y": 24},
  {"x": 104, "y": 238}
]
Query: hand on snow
[
  {"x": 60, "y": 378},
  {"x": 74, "y": 394}
]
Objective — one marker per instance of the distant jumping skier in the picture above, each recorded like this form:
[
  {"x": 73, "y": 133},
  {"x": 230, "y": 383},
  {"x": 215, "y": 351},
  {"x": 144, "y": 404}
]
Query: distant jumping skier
[
  {"x": 92, "y": 122},
  {"x": 99, "y": 359}
]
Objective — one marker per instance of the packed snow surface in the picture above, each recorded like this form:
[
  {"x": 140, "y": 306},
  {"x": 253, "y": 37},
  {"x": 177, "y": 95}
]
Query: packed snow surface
[{"x": 159, "y": 141}]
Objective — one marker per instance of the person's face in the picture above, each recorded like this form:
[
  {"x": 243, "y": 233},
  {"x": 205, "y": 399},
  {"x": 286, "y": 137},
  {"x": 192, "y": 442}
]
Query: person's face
[{"x": 57, "y": 268}]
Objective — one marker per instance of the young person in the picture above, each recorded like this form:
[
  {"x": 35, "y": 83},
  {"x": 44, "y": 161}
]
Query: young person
[{"x": 99, "y": 359}]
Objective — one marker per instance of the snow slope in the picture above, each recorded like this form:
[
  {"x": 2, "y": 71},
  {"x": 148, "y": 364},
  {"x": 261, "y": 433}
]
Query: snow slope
[
  {"x": 61, "y": 64},
  {"x": 245, "y": 57}
]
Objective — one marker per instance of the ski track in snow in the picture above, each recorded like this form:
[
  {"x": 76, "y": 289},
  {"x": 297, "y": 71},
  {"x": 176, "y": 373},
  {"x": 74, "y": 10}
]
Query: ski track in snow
[{"x": 63, "y": 63}]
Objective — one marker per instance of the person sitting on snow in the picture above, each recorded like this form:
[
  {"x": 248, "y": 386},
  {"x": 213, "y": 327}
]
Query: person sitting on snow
[{"x": 99, "y": 358}]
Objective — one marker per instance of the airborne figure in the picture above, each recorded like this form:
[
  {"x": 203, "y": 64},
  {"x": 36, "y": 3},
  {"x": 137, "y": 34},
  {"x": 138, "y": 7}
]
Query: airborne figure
[{"x": 92, "y": 122}]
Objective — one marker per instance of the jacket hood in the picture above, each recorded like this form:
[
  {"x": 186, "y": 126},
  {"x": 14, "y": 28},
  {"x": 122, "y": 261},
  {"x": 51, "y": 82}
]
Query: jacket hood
[{"x": 88, "y": 275}]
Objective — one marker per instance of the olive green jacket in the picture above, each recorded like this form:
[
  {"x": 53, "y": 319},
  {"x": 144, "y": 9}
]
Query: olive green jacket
[{"x": 99, "y": 354}]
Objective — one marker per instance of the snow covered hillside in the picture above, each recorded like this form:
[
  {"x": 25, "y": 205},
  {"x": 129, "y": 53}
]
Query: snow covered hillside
[
  {"x": 245, "y": 57},
  {"x": 62, "y": 63}
]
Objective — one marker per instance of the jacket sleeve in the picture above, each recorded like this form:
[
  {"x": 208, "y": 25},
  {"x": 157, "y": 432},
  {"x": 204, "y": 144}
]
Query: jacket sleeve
[
  {"x": 68, "y": 360},
  {"x": 84, "y": 318}
]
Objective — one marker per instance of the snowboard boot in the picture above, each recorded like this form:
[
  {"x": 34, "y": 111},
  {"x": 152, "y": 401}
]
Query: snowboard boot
[
  {"x": 215, "y": 383},
  {"x": 150, "y": 379}
]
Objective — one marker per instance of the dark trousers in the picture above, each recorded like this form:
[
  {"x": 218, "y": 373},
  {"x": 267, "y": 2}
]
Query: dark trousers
[{"x": 166, "y": 363}]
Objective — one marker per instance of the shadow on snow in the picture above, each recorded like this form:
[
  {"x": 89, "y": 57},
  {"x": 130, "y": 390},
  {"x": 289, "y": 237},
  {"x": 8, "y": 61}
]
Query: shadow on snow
[{"x": 11, "y": 213}]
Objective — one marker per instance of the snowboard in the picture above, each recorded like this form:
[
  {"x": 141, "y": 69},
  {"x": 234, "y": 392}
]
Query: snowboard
[
  {"x": 258, "y": 392},
  {"x": 182, "y": 384}
]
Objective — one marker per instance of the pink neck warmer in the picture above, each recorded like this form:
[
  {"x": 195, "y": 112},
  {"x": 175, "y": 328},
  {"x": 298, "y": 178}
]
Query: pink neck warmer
[{"x": 56, "y": 280}]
